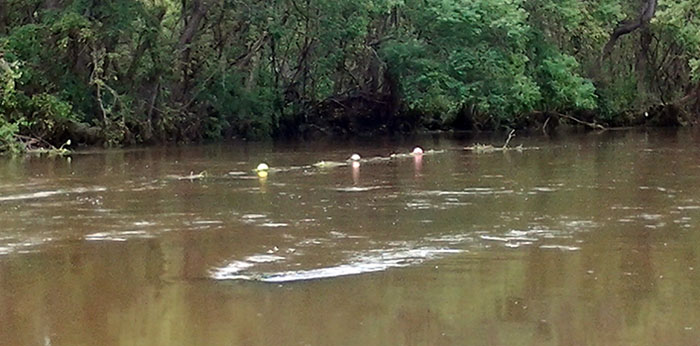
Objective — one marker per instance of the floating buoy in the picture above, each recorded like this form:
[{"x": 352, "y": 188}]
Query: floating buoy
[
  {"x": 417, "y": 151},
  {"x": 355, "y": 157},
  {"x": 262, "y": 167}
]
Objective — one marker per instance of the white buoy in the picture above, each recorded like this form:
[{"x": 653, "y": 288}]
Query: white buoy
[
  {"x": 355, "y": 157},
  {"x": 417, "y": 151},
  {"x": 262, "y": 167}
]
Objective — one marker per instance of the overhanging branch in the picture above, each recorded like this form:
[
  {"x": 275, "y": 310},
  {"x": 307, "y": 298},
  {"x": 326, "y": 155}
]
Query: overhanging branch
[{"x": 626, "y": 27}]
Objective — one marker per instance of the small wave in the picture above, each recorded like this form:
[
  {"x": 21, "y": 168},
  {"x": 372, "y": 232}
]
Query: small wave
[
  {"x": 264, "y": 258},
  {"x": 329, "y": 164},
  {"x": 45, "y": 194},
  {"x": 649, "y": 217},
  {"x": 517, "y": 238},
  {"x": 368, "y": 262},
  {"x": 419, "y": 205},
  {"x": 560, "y": 247},
  {"x": 23, "y": 246},
  {"x": 341, "y": 235},
  {"x": 357, "y": 188},
  {"x": 508, "y": 239},
  {"x": 253, "y": 216},
  {"x": 117, "y": 236},
  {"x": 231, "y": 270},
  {"x": 466, "y": 192},
  {"x": 580, "y": 225},
  {"x": 451, "y": 238},
  {"x": 657, "y": 188},
  {"x": 191, "y": 176},
  {"x": 207, "y": 222},
  {"x": 618, "y": 207},
  {"x": 274, "y": 224}
]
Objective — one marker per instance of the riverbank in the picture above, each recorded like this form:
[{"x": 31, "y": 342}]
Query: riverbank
[{"x": 72, "y": 135}]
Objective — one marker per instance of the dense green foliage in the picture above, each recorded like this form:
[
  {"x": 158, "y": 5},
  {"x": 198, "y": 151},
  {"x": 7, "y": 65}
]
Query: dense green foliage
[{"x": 131, "y": 71}]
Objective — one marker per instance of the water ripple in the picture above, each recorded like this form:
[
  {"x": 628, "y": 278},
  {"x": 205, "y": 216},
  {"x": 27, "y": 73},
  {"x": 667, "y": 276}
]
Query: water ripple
[{"x": 50, "y": 193}]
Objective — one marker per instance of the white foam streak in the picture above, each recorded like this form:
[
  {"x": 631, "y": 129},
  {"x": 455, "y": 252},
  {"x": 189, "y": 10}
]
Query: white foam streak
[
  {"x": 368, "y": 262},
  {"x": 45, "y": 194}
]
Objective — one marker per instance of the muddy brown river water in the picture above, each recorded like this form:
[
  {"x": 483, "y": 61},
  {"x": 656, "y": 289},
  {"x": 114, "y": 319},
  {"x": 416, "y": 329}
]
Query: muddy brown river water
[{"x": 592, "y": 239}]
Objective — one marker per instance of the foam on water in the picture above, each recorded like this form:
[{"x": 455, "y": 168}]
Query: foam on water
[
  {"x": 366, "y": 262},
  {"x": 516, "y": 238},
  {"x": 23, "y": 246},
  {"x": 231, "y": 270},
  {"x": 274, "y": 224},
  {"x": 253, "y": 216},
  {"x": 207, "y": 222},
  {"x": 561, "y": 247},
  {"x": 117, "y": 236},
  {"x": 466, "y": 192},
  {"x": 264, "y": 258},
  {"x": 45, "y": 194},
  {"x": 357, "y": 188}
]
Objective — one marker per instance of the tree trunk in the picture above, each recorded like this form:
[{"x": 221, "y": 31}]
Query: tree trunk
[
  {"x": 192, "y": 25},
  {"x": 199, "y": 10},
  {"x": 647, "y": 12},
  {"x": 3, "y": 16}
]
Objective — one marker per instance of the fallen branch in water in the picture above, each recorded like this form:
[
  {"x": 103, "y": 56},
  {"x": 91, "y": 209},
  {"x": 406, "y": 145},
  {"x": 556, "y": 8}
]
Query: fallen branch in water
[
  {"x": 191, "y": 177},
  {"x": 592, "y": 125},
  {"x": 486, "y": 148},
  {"x": 544, "y": 127},
  {"x": 34, "y": 145},
  {"x": 510, "y": 136}
]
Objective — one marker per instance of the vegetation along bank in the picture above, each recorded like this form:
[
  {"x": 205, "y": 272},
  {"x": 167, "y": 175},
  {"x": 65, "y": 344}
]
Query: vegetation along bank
[{"x": 119, "y": 72}]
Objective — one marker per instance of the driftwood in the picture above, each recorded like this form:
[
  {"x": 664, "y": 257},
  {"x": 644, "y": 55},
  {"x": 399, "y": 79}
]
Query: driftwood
[
  {"x": 592, "y": 125},
  {"x": 486, "y": 148},
  {"x": 34, "y": 145}
]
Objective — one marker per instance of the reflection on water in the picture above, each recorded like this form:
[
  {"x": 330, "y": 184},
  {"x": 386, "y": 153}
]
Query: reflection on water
[{"x": 591, "y": 240}]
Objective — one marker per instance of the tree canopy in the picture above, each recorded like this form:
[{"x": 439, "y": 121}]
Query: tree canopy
[{"x": 130, "y": 71}]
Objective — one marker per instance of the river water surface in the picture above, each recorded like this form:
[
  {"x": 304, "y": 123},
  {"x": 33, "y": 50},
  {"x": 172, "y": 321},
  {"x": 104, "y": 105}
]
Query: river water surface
[{"x": 589, "y": 240}]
